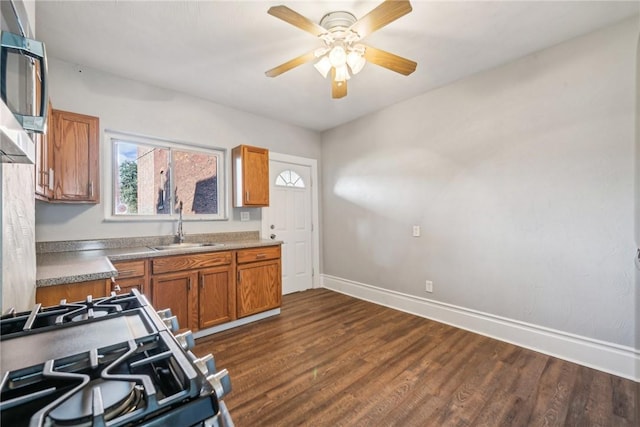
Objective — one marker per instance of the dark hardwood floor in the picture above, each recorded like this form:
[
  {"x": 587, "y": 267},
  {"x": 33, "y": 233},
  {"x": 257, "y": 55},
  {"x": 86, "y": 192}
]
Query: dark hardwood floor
[{"x": 332, "y": 360}]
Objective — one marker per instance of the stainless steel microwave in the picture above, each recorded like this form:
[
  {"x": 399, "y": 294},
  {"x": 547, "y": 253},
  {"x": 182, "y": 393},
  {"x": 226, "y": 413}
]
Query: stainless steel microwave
[{"x": 23, "y": 86}]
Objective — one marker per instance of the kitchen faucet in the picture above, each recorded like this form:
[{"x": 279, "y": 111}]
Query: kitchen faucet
[{"x": 180, "y": 233}]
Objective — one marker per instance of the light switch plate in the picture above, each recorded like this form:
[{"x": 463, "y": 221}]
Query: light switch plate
[{"x": 416, "y": 231}]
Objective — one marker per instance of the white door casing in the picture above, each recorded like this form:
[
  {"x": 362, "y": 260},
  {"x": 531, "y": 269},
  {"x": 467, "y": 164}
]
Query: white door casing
[{"x": 290, "y": 218}]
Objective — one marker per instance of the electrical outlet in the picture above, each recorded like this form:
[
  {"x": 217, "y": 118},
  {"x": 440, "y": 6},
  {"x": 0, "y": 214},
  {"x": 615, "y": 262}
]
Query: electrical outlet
[
  {"x": 244, "y": 216},
  {"x": 416, "y": 231},
  {"x": 428, "y": 286}
]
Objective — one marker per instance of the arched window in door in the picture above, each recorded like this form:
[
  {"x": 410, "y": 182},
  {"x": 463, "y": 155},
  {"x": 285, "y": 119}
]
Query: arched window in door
[{"x": 289, "y": 178}]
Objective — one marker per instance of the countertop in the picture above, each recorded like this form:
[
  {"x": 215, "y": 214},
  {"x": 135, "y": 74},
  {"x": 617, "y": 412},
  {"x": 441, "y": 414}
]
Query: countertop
[{"x": 80, "y": 265}]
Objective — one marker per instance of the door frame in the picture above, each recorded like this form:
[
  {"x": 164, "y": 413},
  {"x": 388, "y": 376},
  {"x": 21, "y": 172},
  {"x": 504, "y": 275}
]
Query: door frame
[{"x": 315, "y": 224}]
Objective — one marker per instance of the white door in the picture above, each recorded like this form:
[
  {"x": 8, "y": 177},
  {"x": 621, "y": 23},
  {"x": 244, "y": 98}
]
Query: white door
[{"x": 288, "y": 218}]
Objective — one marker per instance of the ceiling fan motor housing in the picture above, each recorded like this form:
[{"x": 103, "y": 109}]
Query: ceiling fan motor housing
[{"x": 339, "y": 20}]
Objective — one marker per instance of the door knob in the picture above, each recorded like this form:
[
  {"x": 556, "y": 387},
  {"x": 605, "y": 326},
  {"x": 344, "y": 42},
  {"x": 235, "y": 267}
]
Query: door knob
[{"x": 273, "y": 236}]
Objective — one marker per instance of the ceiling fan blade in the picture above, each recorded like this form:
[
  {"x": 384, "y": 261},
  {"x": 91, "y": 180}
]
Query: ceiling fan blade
[
  {"x": 390, "y": 61},
  {"x": 338, "y": 89},
  {"x": 295, "y": 19},
  {"x": 282, "y": 68},
  {"x": 386, "y": 12}
]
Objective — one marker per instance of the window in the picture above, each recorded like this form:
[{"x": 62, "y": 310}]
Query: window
[
  {"x": 152, "y": 177},
  {"x": 289, "y": 178}
]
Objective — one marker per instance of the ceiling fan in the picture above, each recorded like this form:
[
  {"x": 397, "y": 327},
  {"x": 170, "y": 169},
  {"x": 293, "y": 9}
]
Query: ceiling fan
[{"x": 341, "y": 53}]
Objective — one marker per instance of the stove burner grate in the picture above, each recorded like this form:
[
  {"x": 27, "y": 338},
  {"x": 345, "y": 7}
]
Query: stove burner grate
[{"x": 105, "y": 398}]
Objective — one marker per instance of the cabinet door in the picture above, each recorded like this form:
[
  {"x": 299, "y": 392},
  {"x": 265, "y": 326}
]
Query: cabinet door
[
  {"x": 127, "y": 284},
  {"x": 177, "y": 291},
  {"x": 216, "y": 296},
  {"x": 259, "y": 287},
  {"x": 72, "y": 292},
  {"x": 75, "y": 157},
  {"x": 251, "y": 176}
]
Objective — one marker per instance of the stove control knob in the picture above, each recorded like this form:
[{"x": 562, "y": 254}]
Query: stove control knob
[
  {"x": 206, "y": 364},
  {"x": 164, "y": 313},
  {"x": 171, "y": 323},
  {"x": 186, "y": 340},
  {"x": 220, "y": 383}
]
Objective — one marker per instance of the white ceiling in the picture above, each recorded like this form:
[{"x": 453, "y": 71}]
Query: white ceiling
[{"x": 219, "y": 50}]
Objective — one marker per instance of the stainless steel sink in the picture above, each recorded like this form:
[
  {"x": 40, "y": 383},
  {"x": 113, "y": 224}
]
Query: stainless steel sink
[{"x": 184, "y": 246}]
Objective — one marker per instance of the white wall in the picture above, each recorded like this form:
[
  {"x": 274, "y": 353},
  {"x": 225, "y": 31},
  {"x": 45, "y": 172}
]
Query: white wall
[
  {"x": 129, "y": 106},
  {"x": 521, "y": 178}
]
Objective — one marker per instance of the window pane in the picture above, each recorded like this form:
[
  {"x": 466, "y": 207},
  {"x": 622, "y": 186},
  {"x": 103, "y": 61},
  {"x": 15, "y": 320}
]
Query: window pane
[
  {"x": 196, "y": 182},
  {"x": 289, "y": 178},
  {"x": 142, "y": 186}
]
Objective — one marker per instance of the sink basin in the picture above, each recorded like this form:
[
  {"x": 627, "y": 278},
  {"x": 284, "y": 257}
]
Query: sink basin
[{"x": 184, "y": 246}]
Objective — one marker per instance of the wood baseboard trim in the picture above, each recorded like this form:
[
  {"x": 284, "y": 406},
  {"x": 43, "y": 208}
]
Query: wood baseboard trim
[{"x": 604, "y": 356}]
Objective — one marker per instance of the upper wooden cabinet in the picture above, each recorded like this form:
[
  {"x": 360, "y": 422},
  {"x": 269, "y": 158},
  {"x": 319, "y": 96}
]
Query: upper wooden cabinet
[
  {"x": 250, "y": 176},
  {"x": 74, "y": 143}
]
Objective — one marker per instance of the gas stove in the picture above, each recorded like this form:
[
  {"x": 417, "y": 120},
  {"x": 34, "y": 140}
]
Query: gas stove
[{"x": 110, "y": 361}]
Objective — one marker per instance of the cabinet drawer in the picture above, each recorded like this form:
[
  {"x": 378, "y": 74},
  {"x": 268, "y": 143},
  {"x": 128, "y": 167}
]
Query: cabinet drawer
[
  {"x": 258, "y": 254},
  {"x": 130, "y": 268},
  {"x": 190, "y": 262}
]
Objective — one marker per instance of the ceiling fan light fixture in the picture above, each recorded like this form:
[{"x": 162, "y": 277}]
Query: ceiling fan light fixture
[
  {"x": 342, "y": 74},
  {"x": 338, "y": 56},
  {"x": 356, "y": 62},
  {"x": 323, "y": 66}
]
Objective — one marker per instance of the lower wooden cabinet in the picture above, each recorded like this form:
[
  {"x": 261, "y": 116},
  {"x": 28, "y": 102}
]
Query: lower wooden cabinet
[
  {"x": 178, "y": 292},
  {"x": 259, "y": 286},
  {"x": 216, "y": 296},
  {"x": 200, "y": 296},
  {"x": 202, "y": 290},
  {"x": 52, "y": 295}
]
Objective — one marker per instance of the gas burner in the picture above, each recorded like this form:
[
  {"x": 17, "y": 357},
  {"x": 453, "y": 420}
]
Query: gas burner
[
  {"x": 87, "y": 310},
  {"x": 116, "y": 399},
  {"x": 89, "y": 314}
]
